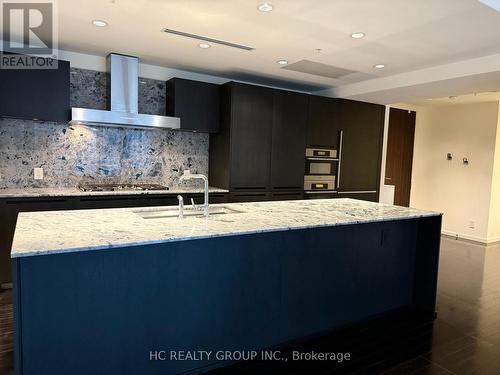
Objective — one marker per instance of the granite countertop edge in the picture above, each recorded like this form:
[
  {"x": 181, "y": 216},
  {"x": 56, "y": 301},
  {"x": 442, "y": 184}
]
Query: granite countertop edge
[
  {"x": 46, "y": 233},
  {"x": 74, "y": 192},
  {"x": 112, "y": 246}
]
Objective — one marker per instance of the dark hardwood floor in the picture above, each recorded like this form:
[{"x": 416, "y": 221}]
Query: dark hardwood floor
[
  {"x": 464, "y": 339},
  {"x": 6, "y": 332}
]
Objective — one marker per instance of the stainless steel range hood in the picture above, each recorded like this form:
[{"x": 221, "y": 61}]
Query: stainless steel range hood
[{"x": 123, "y": 100}]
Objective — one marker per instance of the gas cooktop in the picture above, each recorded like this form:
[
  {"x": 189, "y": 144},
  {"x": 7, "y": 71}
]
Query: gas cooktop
[{"x": 121, "y": 187}]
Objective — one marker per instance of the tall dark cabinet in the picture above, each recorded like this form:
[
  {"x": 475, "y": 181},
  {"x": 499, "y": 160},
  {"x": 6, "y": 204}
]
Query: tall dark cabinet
[
  {"x": 240, "y": 152},
  {"x": 258, "y": 153},
  {"x": 362, "y": 127},
  {"x": 251, "y": 129},
  {"x": 36, "y": 94},
  {"x": 288, "y": 141}
]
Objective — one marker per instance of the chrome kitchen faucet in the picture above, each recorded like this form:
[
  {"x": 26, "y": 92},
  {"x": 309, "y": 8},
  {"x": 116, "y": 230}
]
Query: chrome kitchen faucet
[
  {"x": 181, "y": 206},
  {"x": 189, "y": 176}
]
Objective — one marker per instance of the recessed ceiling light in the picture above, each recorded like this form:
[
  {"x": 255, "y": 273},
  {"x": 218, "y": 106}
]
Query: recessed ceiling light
[
  {"x": 204, "y": 45},
  {"x": 379, "y": 66},
  {"x": 358, "y": 35},
  {"x": 99, "y": 23},
  {"x": 265, "y": 7},
  {"x": 282, "y": 62}
]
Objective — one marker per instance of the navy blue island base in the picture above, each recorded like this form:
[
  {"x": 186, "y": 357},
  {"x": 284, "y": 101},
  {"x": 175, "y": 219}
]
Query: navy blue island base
[{"x": 107, "y": 311}]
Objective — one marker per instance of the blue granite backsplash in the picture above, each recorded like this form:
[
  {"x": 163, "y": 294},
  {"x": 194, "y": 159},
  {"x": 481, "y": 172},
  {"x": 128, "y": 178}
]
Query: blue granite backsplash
[
  {"x": 89, "y": 90},
  {"x": 72, "y": 155}
]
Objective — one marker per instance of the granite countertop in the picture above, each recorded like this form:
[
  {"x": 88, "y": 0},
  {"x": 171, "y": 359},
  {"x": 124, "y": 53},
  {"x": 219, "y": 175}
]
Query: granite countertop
[
  {"x": 40, "y": 233},
  {"x": 72, "y": 192}
]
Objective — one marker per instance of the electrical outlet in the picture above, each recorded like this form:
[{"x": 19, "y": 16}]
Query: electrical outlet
[
  {"x": 38, "y": 173},
  {"x": 472, "y": 224}
]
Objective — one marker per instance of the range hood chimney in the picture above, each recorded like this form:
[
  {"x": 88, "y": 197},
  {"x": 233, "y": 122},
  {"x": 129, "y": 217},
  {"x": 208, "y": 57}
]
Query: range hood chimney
[{"x": 123, "y": 100}]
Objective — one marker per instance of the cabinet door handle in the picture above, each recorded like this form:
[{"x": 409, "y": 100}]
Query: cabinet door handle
[
  {"x": 249, "y": 188},
  {"x": 288, "y": 187},
  {"x": 321, "y": 159},
  {"x": 358, "y": 192},
  {"x": 250, "y": 195},
  {"x": 341, "y": 140},
  {"x": 320, "y": 192}
]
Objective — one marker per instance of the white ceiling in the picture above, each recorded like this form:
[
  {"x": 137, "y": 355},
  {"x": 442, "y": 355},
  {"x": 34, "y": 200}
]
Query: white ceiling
[
  {"x": 479, "y": 97},
  {"x": 406, "y": 35}
]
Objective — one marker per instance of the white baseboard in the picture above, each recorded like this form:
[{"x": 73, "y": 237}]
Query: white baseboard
[
  {"x": 493, "y": 240},
  {"x": 481, "y": 240}
]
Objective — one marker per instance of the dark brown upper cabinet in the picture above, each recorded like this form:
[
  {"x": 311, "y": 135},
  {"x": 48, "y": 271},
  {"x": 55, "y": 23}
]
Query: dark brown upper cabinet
[
  {"x": 323, "y": 124},
  {"x": 288, "y": 140},
  {"x": 36, "y": 94},
  {"x": 362, "y": 127},
  {"x": 196, "y": 103},
  {"x": 240, "y": 152}
]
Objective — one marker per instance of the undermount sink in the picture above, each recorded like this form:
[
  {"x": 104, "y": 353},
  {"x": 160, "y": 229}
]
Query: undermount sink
[{"x": 173, "y": 212}]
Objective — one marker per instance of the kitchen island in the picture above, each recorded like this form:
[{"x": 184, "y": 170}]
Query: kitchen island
[
  {"x": 97, "y": 291},
  {"x": 15, "y": 200}
]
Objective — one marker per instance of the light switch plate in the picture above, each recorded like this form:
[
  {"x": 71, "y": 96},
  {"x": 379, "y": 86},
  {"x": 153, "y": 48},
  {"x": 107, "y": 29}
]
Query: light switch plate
[{"x": 38, "y": 173}]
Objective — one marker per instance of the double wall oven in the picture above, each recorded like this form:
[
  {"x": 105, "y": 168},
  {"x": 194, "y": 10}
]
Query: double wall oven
[{"x": 321, "y": 179}]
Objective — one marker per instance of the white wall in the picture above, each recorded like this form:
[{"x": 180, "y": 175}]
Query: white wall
[
  {"x": 494, "y": 219},
  {"x": 461, "y": 192}
]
